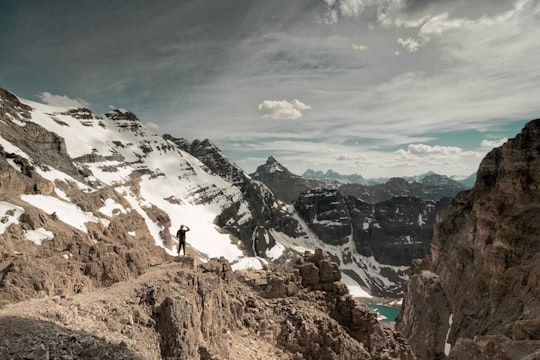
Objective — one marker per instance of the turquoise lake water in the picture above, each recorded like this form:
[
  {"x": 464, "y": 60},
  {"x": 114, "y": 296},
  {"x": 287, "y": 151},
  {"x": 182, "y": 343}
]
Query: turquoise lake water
[{"x": 389, "y": 313}]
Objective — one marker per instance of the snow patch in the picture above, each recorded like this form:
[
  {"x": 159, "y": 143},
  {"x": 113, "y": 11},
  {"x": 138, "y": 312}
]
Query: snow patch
[
  {"x": 248, "y": 263},
  {"x": 110, "y": 208},
  {"x": 275, "y": 252},
  {"x": 52, "y": 174},
  {"x": 67, "y": 212},
  {"x": 421, "y": 219},
  {"x": 447, "y": 345},
  {"x": 12, "y": 149},
  {"x": 38, "y": 235},
  {"x": 9, "y": 214},
  {"x": 354, "y": 289}
]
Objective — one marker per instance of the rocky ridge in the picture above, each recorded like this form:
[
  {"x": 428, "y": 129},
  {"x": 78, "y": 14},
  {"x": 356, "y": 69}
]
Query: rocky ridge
[
  {"x": 477, "y": 294},
  {"x": 180, "y": 310}
]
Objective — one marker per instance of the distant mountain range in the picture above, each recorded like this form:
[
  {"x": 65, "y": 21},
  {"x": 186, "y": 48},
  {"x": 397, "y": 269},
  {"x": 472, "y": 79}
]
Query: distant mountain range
[
  {"x": 331, "y": 175},
  {"x": 288, "y": 186}
]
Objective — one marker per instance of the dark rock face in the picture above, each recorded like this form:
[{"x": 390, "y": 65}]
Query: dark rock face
[
  {"x": 181, "y": 143},
  {"x": 486, "y": 258},
  {"x": 327, "y": 214},
  {"x": 11, "y": 108},
  {"x": 219, "y": 163},
  {"x": 394, "y": 232},
  {"x": 126, "y": 120},
  {"x": 80, "y": 113}
]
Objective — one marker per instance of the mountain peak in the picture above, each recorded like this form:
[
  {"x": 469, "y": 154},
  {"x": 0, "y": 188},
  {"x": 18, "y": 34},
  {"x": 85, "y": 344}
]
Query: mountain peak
[
  {"x": 271, "y": 160},
  {"x": 182, "y": 143},
  {"x": 272, "y": 166},
  {"x": 121, "y": 114}
]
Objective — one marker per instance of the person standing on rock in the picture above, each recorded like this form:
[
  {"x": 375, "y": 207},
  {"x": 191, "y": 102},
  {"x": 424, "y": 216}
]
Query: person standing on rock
[{"x": 181, "y": 235}]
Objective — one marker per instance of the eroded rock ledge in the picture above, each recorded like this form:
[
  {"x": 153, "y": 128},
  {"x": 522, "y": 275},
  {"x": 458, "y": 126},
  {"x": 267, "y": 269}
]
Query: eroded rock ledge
[{"x": 181, "y": 311}]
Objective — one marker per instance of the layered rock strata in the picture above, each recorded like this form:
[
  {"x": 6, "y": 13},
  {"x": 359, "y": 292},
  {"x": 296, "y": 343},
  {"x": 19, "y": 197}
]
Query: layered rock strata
[{"x": 479, "y": 292}]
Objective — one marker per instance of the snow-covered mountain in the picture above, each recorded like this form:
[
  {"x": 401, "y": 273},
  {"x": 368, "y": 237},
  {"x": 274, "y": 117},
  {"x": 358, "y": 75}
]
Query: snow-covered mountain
[{"x": 75, "y": 149}]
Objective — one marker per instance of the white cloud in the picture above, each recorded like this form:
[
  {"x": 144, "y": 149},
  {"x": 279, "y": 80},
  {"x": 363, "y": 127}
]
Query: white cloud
[
  {"x": 489, "y": 144},
  {"x": 282, "y": 109},
  {"x": 428, "y": 150},
  {"x": 62, "y": 100},
  {"x": 345, "y": 8},
  {"x": 439, "y": 24},
  {"x": 152, "y": 125},
  {"x": 410, "y": 44},
  {"x": 359, "y": 47},
  {"x": 351, "y": 7},
  {"x": 356, "y": 157},
  {"x": 331, "y": 17}
]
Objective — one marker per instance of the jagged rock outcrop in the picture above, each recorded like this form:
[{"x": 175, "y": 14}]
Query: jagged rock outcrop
[
  {"x": 182, "y": 311},
  {"x": 479, "y": 292}
]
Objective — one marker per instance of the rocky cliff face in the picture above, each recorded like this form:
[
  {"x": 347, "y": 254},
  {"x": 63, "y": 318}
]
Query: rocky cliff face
[
  {"x": 182, "y": 311},
  {"x": 388, "y": 235},
  {"x": 477, "y": 295}
]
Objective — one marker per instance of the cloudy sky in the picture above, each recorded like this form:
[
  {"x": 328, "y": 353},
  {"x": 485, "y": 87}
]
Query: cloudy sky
[{"x": 375, "y": 87}]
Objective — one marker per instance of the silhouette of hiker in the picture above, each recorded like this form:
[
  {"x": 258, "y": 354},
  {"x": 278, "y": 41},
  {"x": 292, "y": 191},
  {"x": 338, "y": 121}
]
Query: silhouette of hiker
[{"x": 181, "y": 235}]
